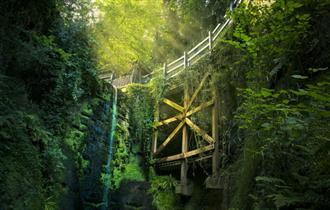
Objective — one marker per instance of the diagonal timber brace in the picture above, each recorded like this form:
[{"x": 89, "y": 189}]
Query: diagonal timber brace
[
  {"x": 181, "y": 116},
  {"x": 173, "y": 104},
  {"x": 200, "y": 131},
  {"x": 170, "y": 137}
]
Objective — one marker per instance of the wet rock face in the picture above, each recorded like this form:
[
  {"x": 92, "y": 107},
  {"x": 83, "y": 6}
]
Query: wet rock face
[
  {"x": 94, "y": 151},
  {"x": 132, "y": 195}
]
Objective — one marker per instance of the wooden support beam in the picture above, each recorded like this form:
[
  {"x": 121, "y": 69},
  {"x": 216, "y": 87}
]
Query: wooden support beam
[
  {"x": 200, "y": 131},
  {"x": 200, "y": 107},
  {"x": 187, "y": 154},
  {"x": 168, "y": 120},
  {"x": 184, "y": 148},
  {"x": 155, "y": 134},
  {"x": 215, "y": 133},
  {"x": 173, "y": 104},
  {"x": 154, "y": 142},
  {"x": 180, "y": 116},
  {"x": 177, "y": 162},
  {"x": 199, "y": 88},
  {"x": 170, "y": 137},
  {"x": 184, "y": 164}
]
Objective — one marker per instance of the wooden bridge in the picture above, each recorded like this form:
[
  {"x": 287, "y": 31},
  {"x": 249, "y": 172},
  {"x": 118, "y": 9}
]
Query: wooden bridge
[{"x": 181, "y": 125}]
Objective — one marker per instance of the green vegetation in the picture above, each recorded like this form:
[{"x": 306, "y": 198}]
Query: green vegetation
[
  {"x": 47, "y": 72},
  {"x": 162, "y": 189},
  {"x": 271, "y": 67},
  {"x": 133, "y": 137},
  {"x": 125, "y": 165},
  {"x": 282, "y": 105},
  {"x": 141, "y": 110},
  {"x": 125, "y": 32}
]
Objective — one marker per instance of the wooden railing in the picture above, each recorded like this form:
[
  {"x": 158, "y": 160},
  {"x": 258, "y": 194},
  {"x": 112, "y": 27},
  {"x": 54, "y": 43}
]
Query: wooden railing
[
  {"x": 189, "y": 58},
  {"x": 195, "y": 54}
]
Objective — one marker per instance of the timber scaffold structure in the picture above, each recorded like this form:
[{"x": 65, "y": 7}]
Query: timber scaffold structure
[{"x": 210, "y": 148}]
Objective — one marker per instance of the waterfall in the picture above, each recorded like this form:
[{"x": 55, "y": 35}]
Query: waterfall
[{"x": 111, "y": 139}]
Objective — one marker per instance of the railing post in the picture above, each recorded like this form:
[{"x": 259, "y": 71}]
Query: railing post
[
  {"x": 185, "y": 60},
  {"x": 165, "y": 70},
  {"x": 210, "y": 41}
]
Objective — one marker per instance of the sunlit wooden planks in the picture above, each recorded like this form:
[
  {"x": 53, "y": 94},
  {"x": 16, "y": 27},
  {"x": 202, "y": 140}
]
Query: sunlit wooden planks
[
  {"x": 200, "y": 107},
  {"x": 186, "y": 154},
  {"x": 169, "y": 120},
  {"x": 173, "y": 105},
  {"x": 180, "y": 116}
]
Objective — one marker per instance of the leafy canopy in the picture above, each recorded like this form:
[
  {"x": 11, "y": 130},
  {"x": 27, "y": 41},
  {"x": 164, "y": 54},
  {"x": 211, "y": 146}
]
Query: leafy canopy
[{"x": 125, "y": 33}]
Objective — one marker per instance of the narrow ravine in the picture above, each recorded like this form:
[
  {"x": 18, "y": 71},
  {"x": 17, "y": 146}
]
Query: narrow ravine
[
  {"x": 164, "y": 105},
  {"x": 110, "y": 149}
]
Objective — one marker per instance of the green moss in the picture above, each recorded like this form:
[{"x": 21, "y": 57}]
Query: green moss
[
  {"x": 140, "y": 104},
  {"x": 126, "y": 166},
  {"x": 133, "y": 171},
  {"x": 163, "y": 192},
  {"x": 130, "y": 172}
]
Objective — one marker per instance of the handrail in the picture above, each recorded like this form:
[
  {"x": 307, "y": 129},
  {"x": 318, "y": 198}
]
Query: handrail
[
  {"x": 198, "y": 58},
  {"x": 173, "y": 62},
  {"x": 198, "y": 52},
  {"x": 201, "y": 47},
  {"x": 221, "y": 29},
  {"x": 216, "y": 28},
  {"x": 174, "y": 68},
  {"x": 198, "y": 45}
]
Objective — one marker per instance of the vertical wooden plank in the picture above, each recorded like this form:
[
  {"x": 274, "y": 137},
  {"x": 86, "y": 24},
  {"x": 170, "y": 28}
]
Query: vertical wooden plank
[
  {"x": 210, "y": 41},
  {"x": 185, "y": 60},
  {"x": 165, "y": 70},
  {"x": 184, "y": 163},
  {"x": 215, "y": 132},
  {"x": 155, "y": 136}
]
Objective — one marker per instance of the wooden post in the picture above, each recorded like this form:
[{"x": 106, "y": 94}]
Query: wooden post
[
  {"x": 165, "y": 70},
  {"x": 215, "y": 132},
  {"x": 184, "y": 163},
  {"x": 210, "y": 41},
  {"x": 155, "y": 136},
  {"x": 185, "y": 60}
]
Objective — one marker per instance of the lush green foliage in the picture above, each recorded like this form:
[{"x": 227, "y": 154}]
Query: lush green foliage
[
  {"x": 291, "y": 145},
  {"x": 125, "y": 32},
  {"x": 162, "y": 190},
  {"x": 47, "y": 69},
  {"x": 144, "y": 34},
  {"x": 284, "y": 105},
  {"x": 125, "y": 163},
  {"x": 271, "y": 69},
  {"x": 141, "y": 110},
  {"x": 26, "y": 148}
]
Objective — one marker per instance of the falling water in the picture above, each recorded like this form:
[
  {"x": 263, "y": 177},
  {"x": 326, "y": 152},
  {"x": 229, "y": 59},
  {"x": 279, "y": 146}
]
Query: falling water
[{"x": 111, "y": 139}]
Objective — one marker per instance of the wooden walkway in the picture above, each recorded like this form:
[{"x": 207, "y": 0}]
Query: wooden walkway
[
  {"x": 188, "y": 58},
  {"x": 210, "y": 148}
]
